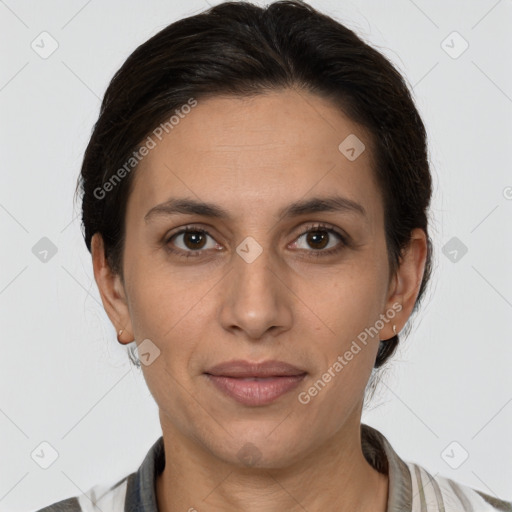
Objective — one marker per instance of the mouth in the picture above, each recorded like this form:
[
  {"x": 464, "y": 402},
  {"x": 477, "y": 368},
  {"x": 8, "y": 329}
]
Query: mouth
[{"x": 255, "y": 384}]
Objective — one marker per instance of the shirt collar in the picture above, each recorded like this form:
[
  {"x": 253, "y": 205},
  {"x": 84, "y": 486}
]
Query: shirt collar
[{"x": 381, "y": 455}]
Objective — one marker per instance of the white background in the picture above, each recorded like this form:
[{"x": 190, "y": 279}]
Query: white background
[{"x": 65, "y": 380}]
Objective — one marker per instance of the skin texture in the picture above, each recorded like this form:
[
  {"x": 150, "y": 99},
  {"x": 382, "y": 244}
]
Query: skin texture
[{"x": 253, "y": 157}]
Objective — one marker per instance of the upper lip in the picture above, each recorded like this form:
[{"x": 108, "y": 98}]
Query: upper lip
[{"x": 241, "y": 369}]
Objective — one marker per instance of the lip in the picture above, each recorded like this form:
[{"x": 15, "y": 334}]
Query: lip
[
  {"x": 247, "y": 369},
  {"x": 261, "y": 391},
  {"x": 255, "y": 384}
]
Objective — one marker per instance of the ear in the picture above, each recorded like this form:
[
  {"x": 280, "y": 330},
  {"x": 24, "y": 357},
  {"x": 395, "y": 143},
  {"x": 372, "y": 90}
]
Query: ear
[
  {"x": 111, "y": 290},
  {"x": 405, "y": 285}
]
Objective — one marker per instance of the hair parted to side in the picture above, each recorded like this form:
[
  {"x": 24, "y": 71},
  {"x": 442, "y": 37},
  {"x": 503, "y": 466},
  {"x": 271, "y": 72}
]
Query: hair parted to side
[{"x": 241, "y": 49}]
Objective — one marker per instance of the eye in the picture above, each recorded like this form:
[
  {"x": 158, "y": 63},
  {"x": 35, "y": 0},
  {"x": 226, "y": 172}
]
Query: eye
[
  {"x": 319, "y": 237},
  {"x": 193, "y": 242}
]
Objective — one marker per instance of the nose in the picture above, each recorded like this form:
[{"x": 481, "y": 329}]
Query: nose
[{"x": 256, "y": 301}]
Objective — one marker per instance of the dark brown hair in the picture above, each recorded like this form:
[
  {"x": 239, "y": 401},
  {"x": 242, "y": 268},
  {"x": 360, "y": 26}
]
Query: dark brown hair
[{"x": 240, "y": 49}]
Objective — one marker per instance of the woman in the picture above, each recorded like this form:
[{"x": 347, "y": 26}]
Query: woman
[{"x": 255, "y": 200}]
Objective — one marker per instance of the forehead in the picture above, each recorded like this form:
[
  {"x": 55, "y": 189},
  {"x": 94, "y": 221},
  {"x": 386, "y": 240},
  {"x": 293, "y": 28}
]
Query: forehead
[{"x": 260, "y": 152}]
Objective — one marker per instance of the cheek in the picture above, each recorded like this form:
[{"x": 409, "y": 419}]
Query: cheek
[
  {"x": 349, "y": 298},
  {"x": 173, "y": 309},
  {"x": 346, "y": 334},
  {"x": 160, "y": 293},
  {"x": 172, "y": 316},
  {"x": 345, "y": 352}
]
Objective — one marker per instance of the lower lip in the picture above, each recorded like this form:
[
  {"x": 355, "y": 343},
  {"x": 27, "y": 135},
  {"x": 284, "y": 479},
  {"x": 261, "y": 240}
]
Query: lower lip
[{"x": 256, "y": 392}]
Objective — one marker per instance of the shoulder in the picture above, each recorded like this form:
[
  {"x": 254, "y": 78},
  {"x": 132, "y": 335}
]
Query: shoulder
[
  {"x": 412, "y": 487},
  {"x": 107, "y": 498},
  {"x": 441, "y": 493},
  {"x": 135, "y": 491}
]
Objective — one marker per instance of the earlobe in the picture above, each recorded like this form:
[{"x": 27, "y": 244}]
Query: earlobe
[{"x": 111, "y": 291}]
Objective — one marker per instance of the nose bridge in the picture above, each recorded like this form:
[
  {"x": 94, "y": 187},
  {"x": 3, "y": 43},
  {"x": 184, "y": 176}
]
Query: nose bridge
[
  {"x": 253, "y": 271},
  {"x": 255, "y": 299}
]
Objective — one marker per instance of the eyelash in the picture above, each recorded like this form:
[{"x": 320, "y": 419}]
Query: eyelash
[{"x": 312, "y": 227}]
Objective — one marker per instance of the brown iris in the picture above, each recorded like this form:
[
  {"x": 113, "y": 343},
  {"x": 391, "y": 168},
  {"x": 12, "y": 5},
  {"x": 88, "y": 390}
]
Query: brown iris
[
  {"x": 197, "y": 239},
  {"x": 312, "y": 238}
]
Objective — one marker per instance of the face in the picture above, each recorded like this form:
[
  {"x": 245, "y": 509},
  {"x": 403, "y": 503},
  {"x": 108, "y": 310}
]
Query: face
[{"x": 262, "y": 281}]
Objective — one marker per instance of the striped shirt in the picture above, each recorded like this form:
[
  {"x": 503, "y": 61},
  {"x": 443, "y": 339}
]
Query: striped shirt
[{"x": 411, "y": 487}]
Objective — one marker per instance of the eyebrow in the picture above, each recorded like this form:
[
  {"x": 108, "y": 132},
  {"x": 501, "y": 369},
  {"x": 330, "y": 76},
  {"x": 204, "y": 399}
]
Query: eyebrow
[{"x": 175, "y": 206}]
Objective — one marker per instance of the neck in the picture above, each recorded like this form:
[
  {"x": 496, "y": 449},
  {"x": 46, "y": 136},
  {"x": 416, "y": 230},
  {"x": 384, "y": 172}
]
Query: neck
[{"x": 333, "y": 477}]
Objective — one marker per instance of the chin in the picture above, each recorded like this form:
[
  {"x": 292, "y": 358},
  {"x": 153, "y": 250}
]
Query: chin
[{"x": 258, "y": 450}]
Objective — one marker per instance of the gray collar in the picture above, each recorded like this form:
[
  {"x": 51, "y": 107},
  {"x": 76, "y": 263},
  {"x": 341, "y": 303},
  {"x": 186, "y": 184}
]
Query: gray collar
[{"x": 381, "y": 455}]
